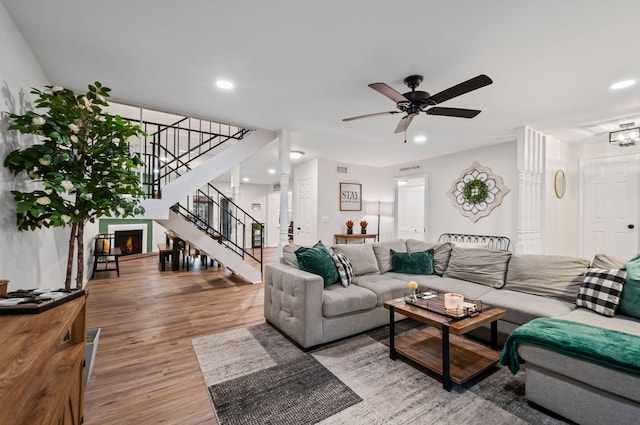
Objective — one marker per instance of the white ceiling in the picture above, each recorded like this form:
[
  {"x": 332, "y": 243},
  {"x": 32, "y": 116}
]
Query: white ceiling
[{"x": 302, "y": 66}]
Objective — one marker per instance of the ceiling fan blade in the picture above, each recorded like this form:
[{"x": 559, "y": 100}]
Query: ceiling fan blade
[
  {"x": 404, "y": 124},
  {"x": 389, "y": 92},
  {"x": 453, "y": 112},
  {"x": 370, "y": 115},
  {"x": 462, "y": 88}
]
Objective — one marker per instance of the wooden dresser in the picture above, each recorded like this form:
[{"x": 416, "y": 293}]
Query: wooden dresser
[{"x": 42, "y": 366}]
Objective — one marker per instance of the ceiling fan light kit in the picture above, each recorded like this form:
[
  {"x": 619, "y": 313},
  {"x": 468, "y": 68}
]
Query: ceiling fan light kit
[{"x": 415, "y": 101}]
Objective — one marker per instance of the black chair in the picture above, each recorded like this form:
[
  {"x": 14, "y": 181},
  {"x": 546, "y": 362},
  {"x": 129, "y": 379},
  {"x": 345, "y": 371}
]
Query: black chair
[{"x": 106, "y": 252}]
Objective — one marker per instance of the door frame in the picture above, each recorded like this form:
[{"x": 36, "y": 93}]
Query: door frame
[{"x": 396, "y": 205}]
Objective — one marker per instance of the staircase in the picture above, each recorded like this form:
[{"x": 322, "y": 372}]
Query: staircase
[{"x": 181, "y": 159}]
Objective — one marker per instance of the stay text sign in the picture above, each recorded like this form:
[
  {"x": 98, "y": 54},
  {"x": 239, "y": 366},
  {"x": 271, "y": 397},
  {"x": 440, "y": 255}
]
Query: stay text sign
[{"x": 350, "y": 197}]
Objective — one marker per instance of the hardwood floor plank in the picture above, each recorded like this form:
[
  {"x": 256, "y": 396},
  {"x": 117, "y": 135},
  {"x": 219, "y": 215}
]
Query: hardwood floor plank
[{"x": 146, "y": 371}]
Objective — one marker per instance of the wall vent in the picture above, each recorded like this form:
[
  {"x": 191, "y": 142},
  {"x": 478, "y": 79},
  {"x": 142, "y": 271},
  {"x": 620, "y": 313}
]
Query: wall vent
[{"x": 342, "y": 170}]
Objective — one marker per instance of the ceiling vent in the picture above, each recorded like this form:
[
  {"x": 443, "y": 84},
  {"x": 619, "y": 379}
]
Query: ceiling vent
[{"x": 342, "y": 170}]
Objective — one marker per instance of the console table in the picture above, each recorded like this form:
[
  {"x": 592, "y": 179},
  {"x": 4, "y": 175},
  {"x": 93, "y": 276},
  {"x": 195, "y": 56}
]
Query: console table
[
  {"x": 346, "y": 237},
  {"x": 42, "y": 358}
]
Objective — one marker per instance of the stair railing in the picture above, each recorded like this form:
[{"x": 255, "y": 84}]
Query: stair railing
[
  {"x": 169, "y": 147},
  {"x": 218, "y": 221}
]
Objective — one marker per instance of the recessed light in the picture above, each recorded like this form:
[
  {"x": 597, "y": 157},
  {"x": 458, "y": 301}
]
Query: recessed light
[
  {"x": 272, "y": 171},
  {"x": 295, "y": 154},
  {"x": 420, "y": 139},
  {"x": 245, "y": 179},
  {"x": 622, "y": 84},
  {"x": 224, "y": 84}
]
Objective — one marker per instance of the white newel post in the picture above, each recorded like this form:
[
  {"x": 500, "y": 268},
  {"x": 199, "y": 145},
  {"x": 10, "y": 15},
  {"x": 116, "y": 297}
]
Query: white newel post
[
  {"x": 284, "y": 146},
  {"x": 531, "y": 160},
  {"x": 235, "y": 194}
]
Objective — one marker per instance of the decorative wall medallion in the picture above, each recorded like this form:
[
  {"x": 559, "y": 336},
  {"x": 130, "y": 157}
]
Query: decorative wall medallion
[{"x": 477, "y": 192}]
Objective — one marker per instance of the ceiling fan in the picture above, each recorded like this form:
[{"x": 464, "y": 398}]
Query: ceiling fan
[{"x": 416, "y": 101}]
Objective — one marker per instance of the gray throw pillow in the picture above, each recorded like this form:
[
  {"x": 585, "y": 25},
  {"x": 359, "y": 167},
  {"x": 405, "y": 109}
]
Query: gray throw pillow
[
  {"x": 479, "y": 265},
  {"x": 606, "y": 261},
  {"x": 289, "y": 255},
  {"x": 553, "y": 276},
  {"x": 361, "y": 256}
]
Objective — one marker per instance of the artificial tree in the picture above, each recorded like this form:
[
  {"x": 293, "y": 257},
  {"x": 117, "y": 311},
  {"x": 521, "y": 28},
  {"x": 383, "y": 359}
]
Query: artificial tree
[{"x": 83, "y": 164}]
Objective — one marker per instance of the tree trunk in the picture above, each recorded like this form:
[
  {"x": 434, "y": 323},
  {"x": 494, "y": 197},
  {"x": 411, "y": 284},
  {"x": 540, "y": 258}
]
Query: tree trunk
[
  {"x": 72, "y": 245},
  {"x": 79, "y": 279}
]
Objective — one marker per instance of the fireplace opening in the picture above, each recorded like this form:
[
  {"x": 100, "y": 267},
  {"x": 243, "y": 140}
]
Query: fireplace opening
[{"x": 129, "y": 241}]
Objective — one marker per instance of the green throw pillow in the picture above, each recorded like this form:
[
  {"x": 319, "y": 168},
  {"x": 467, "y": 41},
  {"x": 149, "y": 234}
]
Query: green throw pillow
[
  {"x": 412, "y": 263},
  {"x": 630, "y": 301},
  {"x": 317, "y": 260}
]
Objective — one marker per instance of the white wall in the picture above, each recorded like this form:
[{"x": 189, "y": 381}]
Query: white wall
[
  {"x": 443, "y": 217},
  {"x": 599, "y": 147},
  {"x": 29, "y": 259},
  {"x": 377, "y": 185},
  {"x": 561, "y": 215}
]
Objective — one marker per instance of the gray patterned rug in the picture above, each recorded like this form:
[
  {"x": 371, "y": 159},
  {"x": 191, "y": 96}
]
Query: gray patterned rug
[{"x": 256, "y": 376}]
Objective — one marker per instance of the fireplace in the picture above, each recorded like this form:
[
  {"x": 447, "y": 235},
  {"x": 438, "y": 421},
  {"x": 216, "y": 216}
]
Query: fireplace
[
  {"x": 129, "y": 241},
  {"x": 129, "y": 227}
]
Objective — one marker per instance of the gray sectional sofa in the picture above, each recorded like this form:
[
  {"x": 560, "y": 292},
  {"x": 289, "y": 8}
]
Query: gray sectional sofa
[{"x": 527, "y": 286}]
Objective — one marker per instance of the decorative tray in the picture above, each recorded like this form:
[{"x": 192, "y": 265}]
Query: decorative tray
[
  {"x": 434, "y": 301},
  {"x": 34, "y": 301}
]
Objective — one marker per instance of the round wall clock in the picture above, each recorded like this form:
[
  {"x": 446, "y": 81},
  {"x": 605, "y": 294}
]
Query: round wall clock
[{"x": 560, "y": 184}]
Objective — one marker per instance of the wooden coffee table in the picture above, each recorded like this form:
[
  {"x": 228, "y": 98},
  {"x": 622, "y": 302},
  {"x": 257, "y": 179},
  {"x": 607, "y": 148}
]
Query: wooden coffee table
[{"x": 441, "y": 347}]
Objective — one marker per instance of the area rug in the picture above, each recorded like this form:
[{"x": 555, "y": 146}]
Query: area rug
[{"x": 256, "y": 376}]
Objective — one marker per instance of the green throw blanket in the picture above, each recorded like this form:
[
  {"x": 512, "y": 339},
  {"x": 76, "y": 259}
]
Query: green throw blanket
[{"x": 605, "y": 347}]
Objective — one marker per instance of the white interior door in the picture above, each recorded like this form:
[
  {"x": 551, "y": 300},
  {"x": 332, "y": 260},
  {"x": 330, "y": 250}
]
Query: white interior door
[
  {"x": 411, "y": 209},
  {"x": 610, "y": 206},
  {"x": 302, "y": 229}
]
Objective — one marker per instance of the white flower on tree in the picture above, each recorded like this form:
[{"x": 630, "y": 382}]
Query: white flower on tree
[
  {"x": 67, "y": 185},
  {"x": 43, "y": 200}
]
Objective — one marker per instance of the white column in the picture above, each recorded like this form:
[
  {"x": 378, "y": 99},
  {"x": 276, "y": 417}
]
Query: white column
[
  {"x": 284, "y": 164},
  {"x": 235, "y": 192},
  {"x": 531, "y": 160}
]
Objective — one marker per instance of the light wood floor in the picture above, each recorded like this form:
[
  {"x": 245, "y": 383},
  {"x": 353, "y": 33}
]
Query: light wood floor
[{"x": 145, "y": 370}]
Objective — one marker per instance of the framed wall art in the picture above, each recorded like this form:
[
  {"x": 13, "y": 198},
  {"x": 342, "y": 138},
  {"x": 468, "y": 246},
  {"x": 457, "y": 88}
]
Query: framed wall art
[{"x": 350, "y": 197}]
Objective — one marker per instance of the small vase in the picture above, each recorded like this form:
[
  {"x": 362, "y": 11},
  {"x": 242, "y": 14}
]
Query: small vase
[
  {"x": 363, "y": 231},
  {"x": 349, "y": 230}
]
